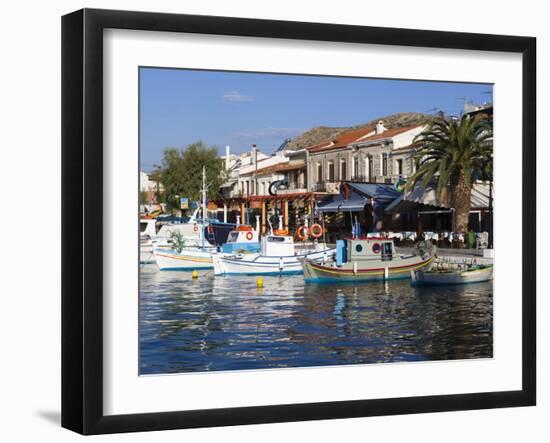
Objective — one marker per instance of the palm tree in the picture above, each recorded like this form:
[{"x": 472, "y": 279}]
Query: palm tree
[{"x": 454, "y": 153}]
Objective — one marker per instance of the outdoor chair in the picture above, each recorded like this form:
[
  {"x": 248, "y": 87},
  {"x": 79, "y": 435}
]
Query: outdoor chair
[
  {"x": 457, "y": 240},
  {"x": 444, "y": 240}
]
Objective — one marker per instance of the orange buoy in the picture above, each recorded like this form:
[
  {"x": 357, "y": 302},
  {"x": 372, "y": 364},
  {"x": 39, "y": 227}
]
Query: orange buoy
[
  {"x": 316, "y": 230},
  {"x": 302, "y": 233},
  {"x": 281, "y": 232}
]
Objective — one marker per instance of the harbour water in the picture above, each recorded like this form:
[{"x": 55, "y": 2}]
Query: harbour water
[{"x": 227, "y": 323}]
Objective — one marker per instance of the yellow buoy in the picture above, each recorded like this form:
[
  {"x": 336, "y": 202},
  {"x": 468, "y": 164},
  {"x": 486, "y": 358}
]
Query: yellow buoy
[
  {"x": 260, "y": 282},
  {"x": 194, "y": 274}
]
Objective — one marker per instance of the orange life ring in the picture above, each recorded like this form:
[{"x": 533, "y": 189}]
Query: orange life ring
[
  {"x": 316, "y": 230},
  {"x": 249, "y": 235},
  {"x": 302, "y": 233}
]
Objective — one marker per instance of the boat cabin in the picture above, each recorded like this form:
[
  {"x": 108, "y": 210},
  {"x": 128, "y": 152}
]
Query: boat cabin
[
  {"x": 367, "y": 249},
  {"x": 242, "y": 239},
  {"x": 277, "y": 245}
]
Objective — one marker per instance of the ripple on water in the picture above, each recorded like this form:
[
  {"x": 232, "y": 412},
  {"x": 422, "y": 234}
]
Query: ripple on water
[{"x": 226, "y": 323}]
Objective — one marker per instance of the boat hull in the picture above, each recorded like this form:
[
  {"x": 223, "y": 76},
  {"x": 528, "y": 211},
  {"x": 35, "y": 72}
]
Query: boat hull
[
  {"x": 256, "y": 264},
  {"x": 453, "y": 278},
  {"x": 377, "y": 271},
  {"x": 187, "y": 260},
  {"x": 146, "y": 254}
]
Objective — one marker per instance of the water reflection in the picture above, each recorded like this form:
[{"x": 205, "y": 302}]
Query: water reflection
[{"x": 226, "y": 323}]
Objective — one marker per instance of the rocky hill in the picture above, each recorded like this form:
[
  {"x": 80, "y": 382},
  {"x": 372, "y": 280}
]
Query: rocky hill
[{"x": 321, "y": 133}]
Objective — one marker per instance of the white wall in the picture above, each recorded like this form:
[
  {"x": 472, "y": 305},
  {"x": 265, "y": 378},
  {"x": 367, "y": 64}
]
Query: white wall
[
  {"x": 406, "y": 138},
  {"x": 30, "y": 137}
]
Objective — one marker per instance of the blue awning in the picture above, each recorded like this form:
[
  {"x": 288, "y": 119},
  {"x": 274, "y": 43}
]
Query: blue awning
[
  {"x": 338, "y": 203},
  {"x": 360, "y": 195}
]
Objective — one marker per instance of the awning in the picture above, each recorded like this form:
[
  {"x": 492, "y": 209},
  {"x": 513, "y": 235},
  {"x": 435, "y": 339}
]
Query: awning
[
  {"x": 383, "y": 193},
  {"x": 228, "y": 184},
  {"x": 360, "y": 195},
  {"x": 427, "y": 198},
  {"x": 338, "y": 203}
]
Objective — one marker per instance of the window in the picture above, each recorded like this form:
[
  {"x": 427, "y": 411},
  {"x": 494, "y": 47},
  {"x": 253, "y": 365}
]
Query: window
[
  {"x": 343, "y": 170},
  {"x": 319, "y": 172},
  {"x": 384, "y": 164},
  {"x": 276, "y": 239},
  {"x": 355, "y": 167},
  {"x": 368, "y": 168},
  {"x": 330, "y": 171},
  {"x": 399, "y": 164},
  {"x": 387, "y": 251},
  {"x": 358, "y": 248}
]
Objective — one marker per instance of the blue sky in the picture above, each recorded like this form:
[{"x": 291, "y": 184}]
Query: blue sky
[{"x": 179, "y": 107}]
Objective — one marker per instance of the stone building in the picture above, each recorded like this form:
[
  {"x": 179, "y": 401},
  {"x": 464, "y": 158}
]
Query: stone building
[{"x": 369, "y": 155}]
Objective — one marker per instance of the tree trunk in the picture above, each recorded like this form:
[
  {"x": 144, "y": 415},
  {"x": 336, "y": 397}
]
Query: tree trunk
[{"x": 461, "y": 194}]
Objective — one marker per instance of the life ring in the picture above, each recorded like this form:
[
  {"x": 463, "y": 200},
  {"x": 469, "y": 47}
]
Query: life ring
[
  {"x": 376, "y": 248},
  {"x": 195, "y": 228},
  {"x": 316, "y": 230},
  {"x": 249, "y": 235},
  {"x": 302, "y": 233}
]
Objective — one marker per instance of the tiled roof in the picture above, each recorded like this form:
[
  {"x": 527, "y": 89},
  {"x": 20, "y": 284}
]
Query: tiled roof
[
  {"x": 341, "y": 140},
  {"x": 278, "y": 167},
  {"x": 358, "y": 135}
]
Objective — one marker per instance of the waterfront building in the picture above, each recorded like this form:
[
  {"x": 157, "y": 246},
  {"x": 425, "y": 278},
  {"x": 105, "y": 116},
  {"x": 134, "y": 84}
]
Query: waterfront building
[{"x": 369, "y": 155}]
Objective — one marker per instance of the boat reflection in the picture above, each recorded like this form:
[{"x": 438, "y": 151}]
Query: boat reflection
[{"x": 227, "y": 323}]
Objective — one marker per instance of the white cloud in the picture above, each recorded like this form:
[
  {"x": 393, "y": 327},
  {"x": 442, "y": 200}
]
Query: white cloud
[{"x": 236, "y": 96}]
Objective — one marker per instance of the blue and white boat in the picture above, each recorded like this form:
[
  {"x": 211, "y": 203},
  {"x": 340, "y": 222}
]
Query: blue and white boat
[{"x": 278, "y": 255}]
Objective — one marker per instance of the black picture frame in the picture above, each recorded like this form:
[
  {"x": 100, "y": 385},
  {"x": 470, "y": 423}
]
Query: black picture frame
[{"x": 82, "y": 190}]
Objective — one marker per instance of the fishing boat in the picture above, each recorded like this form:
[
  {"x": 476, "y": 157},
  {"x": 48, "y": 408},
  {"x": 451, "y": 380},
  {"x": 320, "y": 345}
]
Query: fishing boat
[
  {"x": 178, "y": 255},
  {"x": 147, "y": 231},
  {"x": 472, "y": 274},
  {"x": 278, "y": 255},
  {"x": 367, "y": 259},
  {"x": 186, "y": 259}
]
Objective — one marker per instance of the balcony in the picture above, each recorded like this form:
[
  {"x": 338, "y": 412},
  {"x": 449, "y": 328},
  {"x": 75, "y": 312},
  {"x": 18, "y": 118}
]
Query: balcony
[{"x": 328, "y": 187}]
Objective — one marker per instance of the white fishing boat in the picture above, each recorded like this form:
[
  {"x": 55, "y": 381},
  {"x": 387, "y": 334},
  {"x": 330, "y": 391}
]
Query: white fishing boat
[
  {"x": 187, "y": 259},
  {"x": 178, "y": 255},
  {"x": 367, "y": 259},
  {"x": 435, "y": 276},
  {"x": 190, "y": 231},
  {"x": 147, "y": 231},
  {"x": 278, "y": 255}
]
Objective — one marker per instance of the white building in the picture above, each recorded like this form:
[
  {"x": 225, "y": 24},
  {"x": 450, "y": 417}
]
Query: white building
[{"x": 242, "y": 180}]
